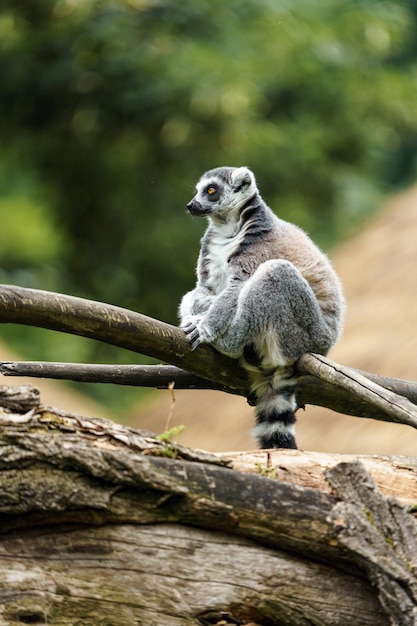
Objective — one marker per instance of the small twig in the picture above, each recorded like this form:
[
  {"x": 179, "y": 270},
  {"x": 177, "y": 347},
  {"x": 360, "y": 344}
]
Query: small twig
[{"x": 171, "y": 386}]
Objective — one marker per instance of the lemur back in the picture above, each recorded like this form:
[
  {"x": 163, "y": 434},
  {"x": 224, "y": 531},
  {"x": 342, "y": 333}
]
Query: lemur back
[{"x": 265, "y": 294}]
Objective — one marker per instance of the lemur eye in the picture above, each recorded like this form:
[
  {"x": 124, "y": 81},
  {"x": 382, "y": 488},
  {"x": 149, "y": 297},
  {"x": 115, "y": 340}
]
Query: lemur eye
[{"x": 211, "y": 190}]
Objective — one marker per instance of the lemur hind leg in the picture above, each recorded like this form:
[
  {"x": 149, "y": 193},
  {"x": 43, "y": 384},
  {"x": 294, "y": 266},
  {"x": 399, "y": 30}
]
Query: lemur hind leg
[
  {"x": 278, "y": 316},
  {"x": 277, "y": 320}
]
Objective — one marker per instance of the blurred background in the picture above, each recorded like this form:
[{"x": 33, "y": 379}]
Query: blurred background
[{"x": 110, "y": 110}]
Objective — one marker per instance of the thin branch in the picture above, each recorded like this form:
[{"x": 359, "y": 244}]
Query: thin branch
[
  {"x": 310, "y": 388},
  {"x": 156, "y": 376}
]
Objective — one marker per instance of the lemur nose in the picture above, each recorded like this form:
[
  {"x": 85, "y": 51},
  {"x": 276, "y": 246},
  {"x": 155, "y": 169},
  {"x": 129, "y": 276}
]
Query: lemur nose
[{"x": 194, "y": 207}]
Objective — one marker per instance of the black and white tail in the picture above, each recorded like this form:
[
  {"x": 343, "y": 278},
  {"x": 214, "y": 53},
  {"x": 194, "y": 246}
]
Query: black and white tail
[{"x": 273, "y": 393}]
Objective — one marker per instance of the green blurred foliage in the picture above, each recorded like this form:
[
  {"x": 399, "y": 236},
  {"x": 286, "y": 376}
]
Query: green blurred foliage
[{"x": 111, "y": 109}]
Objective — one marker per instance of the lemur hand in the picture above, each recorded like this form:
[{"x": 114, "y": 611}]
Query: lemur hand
[{"x": 195, "y": 333}]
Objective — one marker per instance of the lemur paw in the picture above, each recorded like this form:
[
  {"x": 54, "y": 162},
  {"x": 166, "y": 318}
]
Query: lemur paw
[{"x": 195, "y": 334}]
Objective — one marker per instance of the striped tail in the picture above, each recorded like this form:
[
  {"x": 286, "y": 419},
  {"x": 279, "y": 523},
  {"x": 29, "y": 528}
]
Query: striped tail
[
  {"x": 275, "y": 415},
  {"x": 273, "y": 394}
]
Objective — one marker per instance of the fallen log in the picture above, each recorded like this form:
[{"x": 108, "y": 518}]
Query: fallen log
[{"x": 103, "y": 523}]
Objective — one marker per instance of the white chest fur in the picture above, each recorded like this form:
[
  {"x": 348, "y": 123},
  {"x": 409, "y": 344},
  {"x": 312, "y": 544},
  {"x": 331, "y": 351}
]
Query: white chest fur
[{"x": 220, "y": 249}]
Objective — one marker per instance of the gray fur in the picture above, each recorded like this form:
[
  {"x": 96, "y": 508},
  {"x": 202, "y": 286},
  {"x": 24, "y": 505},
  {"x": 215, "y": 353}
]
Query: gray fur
[{"x": 263, "y": 289}]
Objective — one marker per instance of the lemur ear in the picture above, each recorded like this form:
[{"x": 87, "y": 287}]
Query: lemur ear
[{"x": 241, "y": 177}]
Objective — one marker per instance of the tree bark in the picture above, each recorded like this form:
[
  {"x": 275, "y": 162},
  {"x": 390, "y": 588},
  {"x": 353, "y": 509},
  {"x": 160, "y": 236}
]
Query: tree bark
[
  {"x": 171, "y": 575},
  {"x": 101, "y": 523},
  {"x": 382, "y": 537}
]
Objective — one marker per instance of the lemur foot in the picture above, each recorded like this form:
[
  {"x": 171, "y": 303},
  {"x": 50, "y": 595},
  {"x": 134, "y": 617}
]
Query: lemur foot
[{"x": 251, "y": 355}]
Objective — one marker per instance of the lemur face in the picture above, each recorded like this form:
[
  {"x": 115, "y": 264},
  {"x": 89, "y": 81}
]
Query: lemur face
[{"x": 221, "y": 192}]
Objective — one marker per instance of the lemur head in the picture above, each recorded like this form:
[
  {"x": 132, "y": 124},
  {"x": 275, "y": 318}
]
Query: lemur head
[{"x": 221, "y": 192}]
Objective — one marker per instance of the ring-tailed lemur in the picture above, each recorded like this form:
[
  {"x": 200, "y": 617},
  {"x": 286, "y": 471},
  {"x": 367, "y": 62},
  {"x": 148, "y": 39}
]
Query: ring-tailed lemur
[{"x": 265, "y": 294}]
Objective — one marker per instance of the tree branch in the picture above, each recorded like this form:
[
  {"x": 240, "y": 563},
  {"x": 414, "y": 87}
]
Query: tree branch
[
  {"x": 118, "y": 327},
  {"x": 388, "y": 406},
  {"x": 321, "y": 382},
  {"x": 311, "y": 389},
  {"x": 159, "y": 376}
]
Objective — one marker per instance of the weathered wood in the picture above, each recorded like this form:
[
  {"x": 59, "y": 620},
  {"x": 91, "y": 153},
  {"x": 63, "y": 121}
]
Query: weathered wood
[
  {"x": 381, "y": 535},
  {"x": 100, "y": 522},
  {"x": 170, "y": 575},
  {"x": 140, "y": 482},
  {"x": 394, "y": 475},
  {"x": 19, "y": 399}
]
